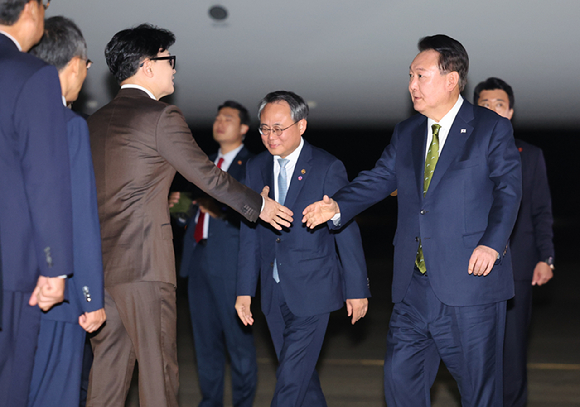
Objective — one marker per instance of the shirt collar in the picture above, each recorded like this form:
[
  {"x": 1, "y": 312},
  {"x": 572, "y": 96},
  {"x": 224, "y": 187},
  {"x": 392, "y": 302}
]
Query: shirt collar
[
  {"x": 449, "y": 118},
  {"x": 133, "y": 86},
  {"x": 293, "y": 156},
  {"x": 229, "y": 157},
  {"x": 13, "y": 40},
  {"x": 64, "y": 101}
]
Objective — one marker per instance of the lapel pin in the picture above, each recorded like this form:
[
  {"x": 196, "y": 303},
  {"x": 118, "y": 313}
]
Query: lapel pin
[
  {"x": 303, "y": 171},
  {"x": 463, "y": 131},
  {"x": 300, "y": 178},
  {"x": 239, "y": 162}
]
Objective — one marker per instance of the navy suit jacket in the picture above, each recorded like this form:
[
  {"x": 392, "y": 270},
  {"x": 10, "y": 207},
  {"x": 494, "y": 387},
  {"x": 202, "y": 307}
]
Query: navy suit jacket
[
  {"x": 472, "y": 200},
  {"x": 531, "y": 240},
  {"x": 318, "y": 268},
  {"x": 85, "y": 287},
  {"x": 220, "y": 255},
  {"x": 35, "y": 195}
]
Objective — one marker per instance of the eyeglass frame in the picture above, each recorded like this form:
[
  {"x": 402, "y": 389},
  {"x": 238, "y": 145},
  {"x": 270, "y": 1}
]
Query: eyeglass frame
[
  {"x": 275, "y": 132},
  {"x": 170, "y": 58},
  {"x": 45, "y": 5}
]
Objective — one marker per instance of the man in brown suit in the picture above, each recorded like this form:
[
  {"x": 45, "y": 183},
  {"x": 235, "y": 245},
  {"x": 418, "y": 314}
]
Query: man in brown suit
[{"x": 138, "y": 143}]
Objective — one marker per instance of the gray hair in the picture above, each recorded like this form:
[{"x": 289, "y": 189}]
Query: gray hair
[{"x": 298, "y": 107}]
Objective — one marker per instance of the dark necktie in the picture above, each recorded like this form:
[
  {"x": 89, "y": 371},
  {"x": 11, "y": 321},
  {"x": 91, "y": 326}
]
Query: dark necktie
[
  {"x": 198, "y": 232},
  {"x": 430, "y": 163}
]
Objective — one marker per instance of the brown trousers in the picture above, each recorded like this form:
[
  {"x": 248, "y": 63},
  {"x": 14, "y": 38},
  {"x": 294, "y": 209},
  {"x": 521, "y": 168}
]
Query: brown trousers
[{"x": 141, "y": 325}]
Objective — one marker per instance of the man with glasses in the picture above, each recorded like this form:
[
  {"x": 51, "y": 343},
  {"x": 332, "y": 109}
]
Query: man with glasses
[
  {"x": 138, "y": 143},
  {"x": 56, "y": 379},
  {"x": 304, "y": 274},
  {"x": 35, "y": 204}
]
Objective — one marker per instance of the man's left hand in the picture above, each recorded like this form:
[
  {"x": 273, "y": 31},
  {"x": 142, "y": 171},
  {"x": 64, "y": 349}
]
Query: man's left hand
[
  {"x": 91, "y": 321},
  {"x": 482, "y": 260},
  {"x": 542, "y": 273},
  {"x": 49, "y": 291},
  {"x": 357, "y": 308}
]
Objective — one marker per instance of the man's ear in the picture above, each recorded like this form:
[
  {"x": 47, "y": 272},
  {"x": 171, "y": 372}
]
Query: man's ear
[
  {"x": 452, "y": 80},
  {"x": 302, "y": 126},
  {"x": 510, "y": 114},
  {"x": 147, "y": 68},
  {"x": 75, "y": 65},
  {"x": 244, "y": 129}
]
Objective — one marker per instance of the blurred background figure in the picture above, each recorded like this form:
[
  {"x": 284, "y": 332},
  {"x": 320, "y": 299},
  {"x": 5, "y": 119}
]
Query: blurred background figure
[
  {"x": 531, "y": 243},
  {"x": 210, "y": 261},
  {"x": 56, "y": 379}
]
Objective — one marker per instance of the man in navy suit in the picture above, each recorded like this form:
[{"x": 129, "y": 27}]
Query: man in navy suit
[
  {"x": 35, "y": 197},
  {"x": 305, "y": 274},
  {"x": 458, "y": 176},
  {"x": 210, "y": 261},
  {"x": 58, "y": 360},
  {"x": 531, "y": 244}
]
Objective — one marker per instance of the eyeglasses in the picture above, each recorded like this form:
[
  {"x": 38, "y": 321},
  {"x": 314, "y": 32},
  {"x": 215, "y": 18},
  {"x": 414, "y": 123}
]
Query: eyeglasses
[
  {"x": 265, "y": 130},
  {"x": 170, "y": 58},
  {"x": 45, "y": 4},
  {"x": 89, "y": 63}
]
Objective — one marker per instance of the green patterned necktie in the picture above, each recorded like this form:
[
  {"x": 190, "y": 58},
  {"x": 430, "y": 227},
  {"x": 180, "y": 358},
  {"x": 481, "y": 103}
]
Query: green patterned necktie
[{"x": 430, "y": 163}]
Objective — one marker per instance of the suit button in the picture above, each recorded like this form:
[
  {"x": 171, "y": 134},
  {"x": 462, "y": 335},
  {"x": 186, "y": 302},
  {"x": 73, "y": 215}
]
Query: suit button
[
  {"x": 417, "y": 239},
  {"x": 278, "y": 240},
  {"x": 423, "y": 212}
]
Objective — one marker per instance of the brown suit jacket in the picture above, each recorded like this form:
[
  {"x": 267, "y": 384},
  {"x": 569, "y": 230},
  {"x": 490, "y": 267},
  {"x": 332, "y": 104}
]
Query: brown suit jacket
[{"x": 137, "y": 144}]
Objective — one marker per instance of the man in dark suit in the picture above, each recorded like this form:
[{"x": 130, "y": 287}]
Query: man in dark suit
[
  {"x": 138, "y": 143},
  {"x": 458, "y": 177},
  {"x": 304, "y": 274},
  {"x": 35, "y": 203},
  {"x": 58, "y": 360},
  {"x": 210, "y": 261},
  {"x": 531, "y": 243}
]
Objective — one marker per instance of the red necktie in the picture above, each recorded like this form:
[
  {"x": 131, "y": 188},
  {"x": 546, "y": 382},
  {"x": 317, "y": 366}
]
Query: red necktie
[{"x": 198, "y": 232}]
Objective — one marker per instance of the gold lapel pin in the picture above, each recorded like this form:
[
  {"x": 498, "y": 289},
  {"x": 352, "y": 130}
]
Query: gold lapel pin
[{"x": 303, "y": 171}]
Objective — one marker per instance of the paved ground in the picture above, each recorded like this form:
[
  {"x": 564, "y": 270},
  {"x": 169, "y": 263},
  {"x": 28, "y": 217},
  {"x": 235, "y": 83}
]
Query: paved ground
[{"x": 351, "y": 363}]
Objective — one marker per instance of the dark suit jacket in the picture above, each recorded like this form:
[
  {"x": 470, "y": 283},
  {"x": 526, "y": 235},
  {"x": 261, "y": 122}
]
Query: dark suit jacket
[
  {"x": 220, "y": 254},
  {"x": 85, "y": 288},
  {"x": 472, "y": 200},
  {"x": 318, "y": 268},
  {"x": 138, "y": 143},
  {"x": 35, "y": 203},
  {"x": 531, "y": 240}
]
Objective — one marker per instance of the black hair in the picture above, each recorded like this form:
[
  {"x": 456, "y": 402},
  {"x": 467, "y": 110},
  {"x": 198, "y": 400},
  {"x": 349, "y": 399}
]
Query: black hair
[
  {"x": 10, "y": 10},
  {"x": 127, "y": 49},
  {"x": 61, "y": 42},
  {"x": 298, "y": 107},
  {"x": 493, "y": 84},
  {"x": 452, "y": 55},
  {"x": 242, "y": 111}
]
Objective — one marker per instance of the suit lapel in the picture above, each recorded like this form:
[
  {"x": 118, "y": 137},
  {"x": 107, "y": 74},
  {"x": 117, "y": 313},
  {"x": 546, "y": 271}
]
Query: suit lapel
[
  {"x": 300, "y": 174},
  {"x": 235, "y": 169},
  {"x": 458, "y": 135},
  {"x": 418, "y": 146},
  {"x": 268, "y": 176}
]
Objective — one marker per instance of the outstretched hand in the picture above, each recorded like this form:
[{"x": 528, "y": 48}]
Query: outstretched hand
[
  {"x": 320, "y": 212},
  {"x": 273, "y": 213}
]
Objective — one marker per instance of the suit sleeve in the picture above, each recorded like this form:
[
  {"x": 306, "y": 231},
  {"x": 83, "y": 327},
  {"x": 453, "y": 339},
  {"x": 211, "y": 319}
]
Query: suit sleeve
[
  {"x": 87, "y": 284},
  {"x": 249, "y": 252},
  {"x": 369, "y": 187},
  {"x": 176, "y": 145},
  {"x": 505, "y": 171},
  {"x": 542, "y": 210},
  {"x": 40, "y": 122},
  {"x": 348, "y": 241}
]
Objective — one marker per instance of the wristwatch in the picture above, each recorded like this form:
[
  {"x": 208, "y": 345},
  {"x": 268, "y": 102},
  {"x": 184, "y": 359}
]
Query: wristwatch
[{"x": 550, "y": 262}]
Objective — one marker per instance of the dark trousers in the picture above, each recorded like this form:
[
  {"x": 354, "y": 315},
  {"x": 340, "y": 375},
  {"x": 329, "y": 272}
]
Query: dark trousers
[
  {"x": 141, "y": 326},
  {"x": 217, "y": 331},
  {"x": 468, "y": 339},
  {"x": 515, "y": 370},
  {"x": 18, "y": 340},
  {"x": 56, "y": 379},
  {"x": 297, "y": 341}
]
